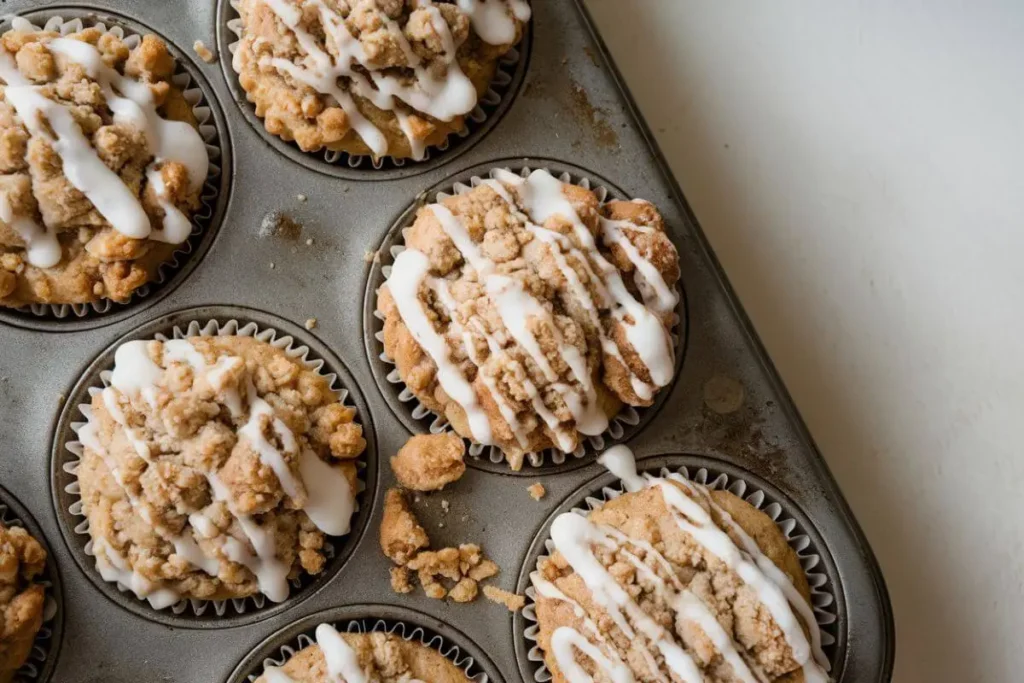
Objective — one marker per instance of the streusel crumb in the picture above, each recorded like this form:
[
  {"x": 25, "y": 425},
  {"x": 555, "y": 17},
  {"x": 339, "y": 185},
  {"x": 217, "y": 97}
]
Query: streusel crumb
[
  {"x": 429, "y": 462},
  {"x": 512, "y": 601},
  {"x": 401, "y": 535},
  {"x": 22, "y": 560},
  {"x": 537, "y": 490}
]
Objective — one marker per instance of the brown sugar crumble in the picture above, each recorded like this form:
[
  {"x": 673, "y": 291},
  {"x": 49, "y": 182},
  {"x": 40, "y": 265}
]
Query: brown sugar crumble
[
  {"x": 205, "y": 53},
  {"x": 429, "y": 462},
  {"x": 537, "y": 491},
  {"x": 310, "y": 323},
  {"x": 513, "y": 601}
]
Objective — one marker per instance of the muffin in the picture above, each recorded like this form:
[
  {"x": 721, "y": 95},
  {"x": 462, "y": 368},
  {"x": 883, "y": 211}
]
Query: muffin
[
  {"x": 375, "y": 656},
  {"x": 379, "y": 77},
  {"x": 673, "y": 578},
  {"x": 527, "y": 313},
  {"x": 22, "y": 560},
  {"x": 101, "y": 166},
  {"x": 213, "y": 468}
]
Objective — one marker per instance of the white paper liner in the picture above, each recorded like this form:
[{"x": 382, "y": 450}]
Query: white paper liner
[
  {"x": 822, "y": 601},
  {"x": 209, "y": 194},
  {"x": 408, "y": 632},
  {"x": 487, "y": 104},
  {"x": 628, "y": 416},
  {"x": 211, "y": 328},
  {"x": 31, "y": 671}
]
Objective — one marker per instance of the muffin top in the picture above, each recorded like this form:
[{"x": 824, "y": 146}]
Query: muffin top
[
  {"x": 364, "y": 658},
  {"x": 526, "y": 312},
  {"x": 22, "y": 560},
  {"x": 380, "y": 77},
  {"x": 674, "y": 579},
  {"x": 213, "y": 468},
  {"x": 101, "y": 166}
]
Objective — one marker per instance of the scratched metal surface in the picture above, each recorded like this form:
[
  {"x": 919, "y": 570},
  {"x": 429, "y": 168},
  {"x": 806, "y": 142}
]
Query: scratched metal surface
[{"x": 569, "y": 113}]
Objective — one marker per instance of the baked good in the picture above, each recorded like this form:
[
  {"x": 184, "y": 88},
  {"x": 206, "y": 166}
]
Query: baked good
[
  {"x": 101, "y": 165},
  {"x": 374, "y": 656},
  {"x": 22, "y": 560},
  {"x": 381, "y": 77},
  {"x": 429, "y": 462},
  {"x": 213, "y": 468},
  {"x": 674, "y": 578},
  {"x": 526, "y": 312}
]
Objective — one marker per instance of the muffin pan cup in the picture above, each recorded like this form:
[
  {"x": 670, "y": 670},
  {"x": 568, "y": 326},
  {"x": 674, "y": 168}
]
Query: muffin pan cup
[
  {"x": 406, "y": 624},
  {"x": 726, "y": 407},
  {"x": 627, "y": 423},
  {"x": 213, "y": 196},
  {"x": 820, "y": 570},
  {"x": 217, "y": 321},
  {"x": 43, "y": 657}
]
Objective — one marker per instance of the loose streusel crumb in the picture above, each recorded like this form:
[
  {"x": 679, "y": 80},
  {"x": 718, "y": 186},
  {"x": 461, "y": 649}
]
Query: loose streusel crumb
[
  {"x": 513, "y": 601},
  {"x": 310, "y": 323},
  {"x": 301, "y": 197},
  {"x": 401, "y": 580},
  {"x": 445, "y": 505},
  {"x": 429, "y": 462},
  {"x": 370, "y": 256},
  {"x": 205, "y": 53},
  {"x": 22, "y": 560},
  {"x": 177, "y": 449},
  {"x": 380, "y": 658},
  {"x": 401, "y": 535},
  {"x": 56, "y": 245},
  {"x": 537, "y": 491}
]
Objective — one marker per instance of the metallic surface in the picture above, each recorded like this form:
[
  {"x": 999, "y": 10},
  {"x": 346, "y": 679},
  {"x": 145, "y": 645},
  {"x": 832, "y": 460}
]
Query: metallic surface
[{"x": 571, "y": 108}]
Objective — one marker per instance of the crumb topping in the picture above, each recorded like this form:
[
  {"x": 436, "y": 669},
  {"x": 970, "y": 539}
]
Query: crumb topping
[
  {"x": 381, "y": 77},
  {"x": 215, "y": 467},
  {"x": 527, "y": 313},
  {"x": 101, "y": 166},
  {"x": 429, "y": 462},
  {"x": 22, "y": 560}
]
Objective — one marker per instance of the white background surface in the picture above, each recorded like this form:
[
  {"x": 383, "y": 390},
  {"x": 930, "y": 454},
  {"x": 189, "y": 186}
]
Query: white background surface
[{"x": 859, "y": 169}]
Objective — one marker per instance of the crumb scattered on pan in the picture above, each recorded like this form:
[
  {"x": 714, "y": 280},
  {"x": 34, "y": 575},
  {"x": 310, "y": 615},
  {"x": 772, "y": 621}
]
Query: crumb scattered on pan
[
  {"x": 205, "y": 53},
  {"x": 537, "y": 491},
  {"x": 272, "y": 265},
  {"x": 513, "y": 601},
  {"x": 449, "y": 572},
  {"x": 370, "y": 256},
  {"x": 61, "y": 398},
  {"x": 279, "y": 224},
  {"x": 301, "y": 197},
  {"x": 428, "y": 462},
  {"x": 445, "y": 505},
  {"x": 309, "y": 242},
  {"x": 310, "y": 324}
]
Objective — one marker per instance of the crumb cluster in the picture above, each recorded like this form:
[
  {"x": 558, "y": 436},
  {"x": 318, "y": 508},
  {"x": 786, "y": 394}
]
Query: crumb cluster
[
  {"x": 22, "y": 560},
  {"x": 429, "y": 462}
]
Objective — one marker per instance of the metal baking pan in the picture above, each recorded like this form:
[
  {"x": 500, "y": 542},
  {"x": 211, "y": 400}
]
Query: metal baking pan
[{"x": 565, "y": 109}]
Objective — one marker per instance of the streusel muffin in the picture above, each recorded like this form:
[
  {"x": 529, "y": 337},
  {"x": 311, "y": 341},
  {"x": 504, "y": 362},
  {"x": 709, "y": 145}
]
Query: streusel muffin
[
  {"x": 101, "y": 166},
  {"x": 674, "y": 579},
  {"x": 527, "y": 313},
  {"x": 214, "y": 467},
  {"x": 377, "y": 657},
  {"x": 381, "y": 77},
  {"x": 22, "y": 560}
]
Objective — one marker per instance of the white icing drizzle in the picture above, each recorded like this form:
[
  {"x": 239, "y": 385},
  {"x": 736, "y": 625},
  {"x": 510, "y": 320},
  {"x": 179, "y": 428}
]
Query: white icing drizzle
[
  {"x": 342, "y": 660},
  {"x": 132, "y": 103},
  {"x": 495, "y": 20},
  {"x": 574, "y": 536},
  {"x": 41, "y": 246},
  {"x": 329, "y": 502},
  {"x": 444, "y": 99}
]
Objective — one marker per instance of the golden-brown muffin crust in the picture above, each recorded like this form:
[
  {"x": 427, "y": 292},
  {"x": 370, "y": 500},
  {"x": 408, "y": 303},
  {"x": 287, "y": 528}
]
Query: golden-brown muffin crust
[
  {"x": 22, "y": 560},
  {"x": 196, "y": 455},
  {"x": 96, "y": 261}
]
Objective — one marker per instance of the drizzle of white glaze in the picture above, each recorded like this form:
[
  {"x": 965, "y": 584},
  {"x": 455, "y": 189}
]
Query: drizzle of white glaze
[
  {"x": 41, "y": 246},
  {"x": 342, "y": 661},
  {"x": 494, "y": 20}
]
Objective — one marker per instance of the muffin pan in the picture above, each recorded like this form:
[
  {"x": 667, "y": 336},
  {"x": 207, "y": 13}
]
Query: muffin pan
[{"x": 296, "y": 242}]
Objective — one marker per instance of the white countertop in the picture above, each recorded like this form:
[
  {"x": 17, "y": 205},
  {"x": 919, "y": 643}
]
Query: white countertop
[{"x": 859, "y": 169}]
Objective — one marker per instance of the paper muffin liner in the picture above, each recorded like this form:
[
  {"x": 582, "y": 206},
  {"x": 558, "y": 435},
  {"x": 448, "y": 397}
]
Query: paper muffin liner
[
  {"x": 194, "y": 607},
  {"x": 41, "y": 660},
  {"x": 408, "y": 632},
  {"x": 629, "y": 417},
  {"x": 823, "y": 599},
  {"x": 499, "y": 90},
  {"x": 210, "y": 194}
]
